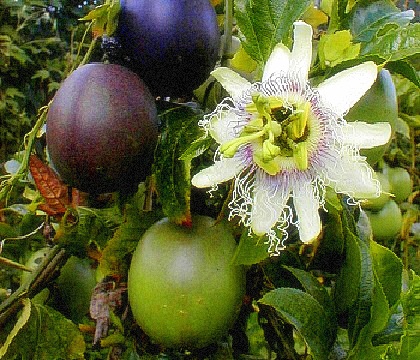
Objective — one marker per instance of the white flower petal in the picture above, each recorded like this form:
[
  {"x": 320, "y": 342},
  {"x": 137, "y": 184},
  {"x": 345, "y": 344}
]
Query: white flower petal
[
  {"x": 366, "y": 136},
  {"x": 344, "y": 89},
  {"x": 353, "y": 176},
  {"x": 222, "y": 170},
  {"x": 223, "y": 126},
  {"x": 269, "y": 201},
  {"x": 307, "y": 211},
  {"x": 233, "y": 83},
  {"x": 301, "y": 57},
  {"x": 278, "y": 62}
]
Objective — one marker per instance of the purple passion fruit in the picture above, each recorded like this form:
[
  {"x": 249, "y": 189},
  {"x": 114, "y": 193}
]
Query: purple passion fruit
[
  {"x": 172, "y": 44},
  {"x": 102, "y": 129},
  {"x": 183, "y": 289}
]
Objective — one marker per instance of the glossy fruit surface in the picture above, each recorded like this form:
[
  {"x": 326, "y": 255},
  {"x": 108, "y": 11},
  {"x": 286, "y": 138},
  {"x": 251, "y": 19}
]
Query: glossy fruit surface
[
  {"x": 102, "y": 129},
  {"x": 400, "y": 181},
  {"x": 386, "y": 223},
  {"x": 172, "y": 44},
  {"x": 182, "y": 288},
  {"x": 379, "y": 104}
]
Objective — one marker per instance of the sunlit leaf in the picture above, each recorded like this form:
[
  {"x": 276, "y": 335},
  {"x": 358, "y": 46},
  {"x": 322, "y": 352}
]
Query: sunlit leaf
[
  {"x": 242, "y": 61},
  {"x": 264, "y": 23},
  {"x": 368, "y": 17},
  {"x": 396, "y": 44},
  {"x": 315, "y": 17},
  {"x": 41, "y": 74},
  {"x": 336, "y": 48}
]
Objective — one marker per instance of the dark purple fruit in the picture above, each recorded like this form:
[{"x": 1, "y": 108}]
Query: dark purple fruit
[
  {"x": 172, "y": 44},
  {"x": 102, "y": 129}
]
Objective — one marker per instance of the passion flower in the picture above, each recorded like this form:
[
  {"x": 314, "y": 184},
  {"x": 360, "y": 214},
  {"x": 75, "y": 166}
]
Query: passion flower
[{"x": 283, "y": 139}]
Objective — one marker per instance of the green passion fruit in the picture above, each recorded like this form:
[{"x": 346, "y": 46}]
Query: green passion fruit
[
  {"x": 75, "y": 286},
  {"x": 183, "y": 290},
  {"x": 102, "y": 129},
  {"x": 379, "y": 202},
  {"x": 400, "y": 181},
  {"x": 387, "y": 222},
  {"x": 172, "y": 44}
]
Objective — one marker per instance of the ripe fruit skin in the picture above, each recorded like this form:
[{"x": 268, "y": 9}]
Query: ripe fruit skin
[
  {"x": 386, "y": 223},
  {"x": 182, "y": 288},
  {"x": 172, "y": 44},
  {"x": 102, "y": 129}
]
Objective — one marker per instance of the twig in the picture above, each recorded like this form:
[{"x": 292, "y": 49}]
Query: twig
[{"x": 40, "y": 279}]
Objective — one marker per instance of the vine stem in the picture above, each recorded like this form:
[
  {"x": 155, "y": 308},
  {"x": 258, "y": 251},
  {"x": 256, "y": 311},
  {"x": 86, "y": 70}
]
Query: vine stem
[{"x": 227, "y": 31}]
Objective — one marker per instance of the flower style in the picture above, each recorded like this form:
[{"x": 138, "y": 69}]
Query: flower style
[{"x": 281, "y": 140}]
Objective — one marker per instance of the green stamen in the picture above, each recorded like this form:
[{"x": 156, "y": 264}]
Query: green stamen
[
  {"x": 300, "y": 155},
  {"x": 277, "y": 133},
  {"x": 300, "y": 120}
]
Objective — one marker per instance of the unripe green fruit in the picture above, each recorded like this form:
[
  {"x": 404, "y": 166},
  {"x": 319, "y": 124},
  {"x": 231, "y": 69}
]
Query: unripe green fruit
[
  {"x": 379, "y": 202},
  {"x": 386, "y": 223},
  {"x": 400, "y": 182},
  {"x": 183, "y": 289},
  {"x": 75, "y": 285}
]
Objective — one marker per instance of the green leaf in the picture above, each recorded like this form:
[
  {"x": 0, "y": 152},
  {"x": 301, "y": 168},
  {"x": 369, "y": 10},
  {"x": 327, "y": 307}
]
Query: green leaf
[
  {"x": 127, "y": 236},
  {"x": 336, "y": 48},
  {"x": 98, "y": 12},
  {"x": 251, "y": 249},
  {"x": 405, "y": 69},
  {"x": 395, "y": 44},
  {"x": 379, "y": 312},
  {"x": 410, "y": 341},
  {"x": 20, "y": 323},
  {"x": 307, "y": 315},
  {"x": 312, "y": 286},
  {"x": 13, "y": 92},
  {"x": 104, "y": 18},
  {"x": 369, "y": 17},
  {"x": 388, "y": 268},
  {"x": 264, "y": 23},
  {"x": 41, "y": 74},
  {"x": 360, "y": 312},
  {"x": 172, "y": 175},
  {"x": 329, "y": 250},
  {"x": 197, "y": 148},
  {"x": 113, "y": 13},
  {"x": 43, "y": 333},
  {"x": 347, "y": 285}
]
